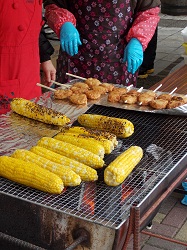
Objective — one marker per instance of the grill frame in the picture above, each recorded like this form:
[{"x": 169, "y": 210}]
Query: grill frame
[{"x": 153, "y": 192}]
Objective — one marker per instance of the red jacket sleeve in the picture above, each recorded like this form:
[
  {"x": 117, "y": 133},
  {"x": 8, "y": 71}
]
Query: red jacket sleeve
[
  {"x": 56, "y": 17},
  {"x": 144, "y": 26}
]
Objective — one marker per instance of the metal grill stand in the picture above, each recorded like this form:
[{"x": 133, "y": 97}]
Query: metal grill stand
[{"x": 136, "y": 221}]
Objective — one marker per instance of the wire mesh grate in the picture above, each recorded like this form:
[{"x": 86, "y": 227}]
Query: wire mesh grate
[{"x": 163, "y": 139}]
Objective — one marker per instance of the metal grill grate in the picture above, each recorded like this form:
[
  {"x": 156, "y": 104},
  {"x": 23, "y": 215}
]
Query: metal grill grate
[{"x": 163, "y": 139}]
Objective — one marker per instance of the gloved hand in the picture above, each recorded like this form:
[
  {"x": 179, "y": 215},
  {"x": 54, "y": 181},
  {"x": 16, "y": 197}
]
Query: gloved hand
[
  {"x": 69, "y": 38},
  {"x": 133, "y": 54}
]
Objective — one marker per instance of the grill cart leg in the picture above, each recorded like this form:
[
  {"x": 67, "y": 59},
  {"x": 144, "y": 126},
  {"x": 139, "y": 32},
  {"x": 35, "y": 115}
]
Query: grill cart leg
[{"x": 133, "y": 228}]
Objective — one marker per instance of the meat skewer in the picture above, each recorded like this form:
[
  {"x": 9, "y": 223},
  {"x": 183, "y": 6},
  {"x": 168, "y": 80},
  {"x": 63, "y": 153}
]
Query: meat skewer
[
  {"x": 148, "y": 96},
  {"x": 175, "y": 101},
  {"x": 59, "y": 93},
  {"x": 131, "y": 96}
]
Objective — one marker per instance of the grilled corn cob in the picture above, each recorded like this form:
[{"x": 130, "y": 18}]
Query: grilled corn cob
[
  {"x": 93, "y": 146},
  {"x": 68, "y": 176},
  {"x": 118, "y": 170},
  {"x": 30, "y": 174},
  {"x": 120, "y": 127},
  {"x": 106, "y": 144},
  {"x": 38, "y": 112},
  {"x": 72, "y": 151},
  {"x": 85, "y": 172},
  {"x": 92, "y": 133}
]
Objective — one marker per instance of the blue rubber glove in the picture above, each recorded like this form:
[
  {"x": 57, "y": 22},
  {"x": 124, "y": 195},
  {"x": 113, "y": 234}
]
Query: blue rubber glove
[
  {"x": 69, "y": 38},
  {"x": 133, "y": 54}
]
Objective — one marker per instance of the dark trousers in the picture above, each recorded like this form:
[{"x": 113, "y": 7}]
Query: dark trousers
[{"x": 150, "y": 53}]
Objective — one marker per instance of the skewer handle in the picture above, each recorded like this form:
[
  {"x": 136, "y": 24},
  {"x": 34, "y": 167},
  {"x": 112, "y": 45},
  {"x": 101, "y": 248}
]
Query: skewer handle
[
  {"x": 78, "y": 77},
  {"x": 158, "y": 87},
  {"x": 45, "y": 87},
  {"x": 61, "y": 84},
  {"x": 129, "y": 87},
  {"x": 140, "y": 89},
  {"x": 173, "y": 91}
]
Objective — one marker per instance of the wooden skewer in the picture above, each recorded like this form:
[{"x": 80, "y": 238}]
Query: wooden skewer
[
  {"x": 158, "y": 87},
  {"x": 173, "y": 91},
  {"x": 61, "y": 84},
  {"x": 43, "y": 86},
  {"x": 78, "y": 77},
  {"x": 129, "y": 87},
  {"x": 140, "y": 89}
]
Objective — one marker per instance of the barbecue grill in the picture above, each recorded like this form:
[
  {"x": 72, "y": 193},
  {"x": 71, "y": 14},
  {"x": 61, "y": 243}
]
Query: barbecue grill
[{"x": 95, "y": 215}]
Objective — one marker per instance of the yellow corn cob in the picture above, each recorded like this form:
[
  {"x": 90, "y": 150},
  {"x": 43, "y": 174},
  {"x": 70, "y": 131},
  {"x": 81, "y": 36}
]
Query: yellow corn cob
[
  {"x": 30, "y": 174},
  {"x": 93, "y": 133},
  {"x": 106, "y": 144},
  {"x": 69, "y": 150},
  {"x": 82, "y": 142},
  {"x": 118, "y": 170},
  {"x": 38, "y": 112},
  {"x": 68, "y": 176},
  {"x": 85, "y": 172},
  {"x": 120, "y": 127}
]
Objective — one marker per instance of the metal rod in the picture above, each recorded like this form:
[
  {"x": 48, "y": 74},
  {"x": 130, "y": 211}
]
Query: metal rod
[
  {"x": 18, "y": 242},
  {"x": 81, "y": 236},
  {"x": 136, "y": 239},
  {"x": 164, "y": 238},
  {"x": 130, "y": 228}
]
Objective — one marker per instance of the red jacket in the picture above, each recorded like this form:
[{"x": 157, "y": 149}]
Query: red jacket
[{"x": 20, "y": 25}]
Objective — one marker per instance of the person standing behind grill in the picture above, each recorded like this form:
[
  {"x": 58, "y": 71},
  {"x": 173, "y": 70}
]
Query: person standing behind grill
[
  {"x": 149, "y": 56},
  {"x": 102, "y": 39},
  {"x": 20, "y": 25},
  {"x": 46, "y": 50}
]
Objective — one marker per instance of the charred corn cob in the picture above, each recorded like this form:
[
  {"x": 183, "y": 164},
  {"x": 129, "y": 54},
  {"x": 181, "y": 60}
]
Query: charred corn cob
[
  {"x": 92, "y": 133},
  {"x": 85, "y": 172},
  {"x": 38, "y": 112},
  {"x": 69, "y": 150},
  {"x": 118, "y": 170},
  {"x": 93, "y": 146},
  {"x": 120, "y": 127},
  {"x": 30, "y": 174},
  {"x": 68, "y": 176},
  {"x": 106, "y": 144}
]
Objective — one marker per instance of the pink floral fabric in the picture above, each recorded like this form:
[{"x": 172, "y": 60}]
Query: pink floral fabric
[
  {"x": 144, "y": 25},
  {"x": 104, "y": 27},
  {"x": 56, "y": 17}
]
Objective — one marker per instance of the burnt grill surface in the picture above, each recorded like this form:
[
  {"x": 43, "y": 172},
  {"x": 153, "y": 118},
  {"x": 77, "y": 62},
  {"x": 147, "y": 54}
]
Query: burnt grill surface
[{"x": 163, "y": 139}]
